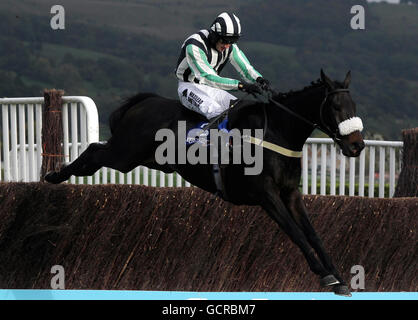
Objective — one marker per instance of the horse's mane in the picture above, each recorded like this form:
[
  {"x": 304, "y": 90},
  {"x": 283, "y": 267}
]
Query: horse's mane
[
  {"x": 285, "y": 95},
  {"x": 280, "y": 97}
]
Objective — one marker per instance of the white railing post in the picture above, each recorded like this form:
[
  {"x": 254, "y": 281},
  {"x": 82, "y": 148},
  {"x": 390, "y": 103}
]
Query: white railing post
[
  {"x": 137, "y": 175},
  {"x": 31, "y": 144},
  {"x": 6, "y": 148},
  {"x": 38, "y": 108},
  {"x": 74, "y": 137},
  {"x": 145, "y": 176},
  {"x": 170, "y": 181},
  {"x": 381, "y": 172},
  {"x": 178, "y": 180},
  {"x": 153, "y": 178},
  {"x": 333, "y": 169},
  {"x": 121, "y": 178},
  {"x": 129, "y": 177},
  {"x": 305, "y": 178},
  {"x": 391, "y": 171},
  {"x": 104, "y": 176},
  {"x": 112, "y": 176},
  {"x": 323, "y": 185},
  {"x": 22, "y": 144},
  {"x": 362, "y": 173},
  {"x": 342, "y": 174},
  {"x": 313, "y": 168},
  {"x": 352, "y": 183},
  {"x": 162, "y": 179},
  {"x": 371, "y": 171},
  {"x": 13, "y": 140}
]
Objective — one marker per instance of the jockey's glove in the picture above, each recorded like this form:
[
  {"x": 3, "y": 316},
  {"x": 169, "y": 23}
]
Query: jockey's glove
[
  {"x": 264, "y": 83},
  {"x": 252, "y": 88}
]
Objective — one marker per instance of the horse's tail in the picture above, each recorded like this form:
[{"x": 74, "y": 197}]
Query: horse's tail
[{"x": 116, "y": 115}]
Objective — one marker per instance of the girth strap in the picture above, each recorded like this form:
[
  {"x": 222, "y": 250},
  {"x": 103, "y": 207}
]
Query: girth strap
[{"x": 220, "y": 186}]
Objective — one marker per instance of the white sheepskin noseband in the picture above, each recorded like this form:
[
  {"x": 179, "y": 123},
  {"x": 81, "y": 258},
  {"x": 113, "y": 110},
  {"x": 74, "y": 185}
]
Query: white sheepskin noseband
[{"x": 350, "y": 125}]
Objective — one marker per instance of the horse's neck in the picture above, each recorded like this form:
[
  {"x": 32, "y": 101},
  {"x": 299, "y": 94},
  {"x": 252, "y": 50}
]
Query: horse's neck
[{"x": 289, "y": 128}]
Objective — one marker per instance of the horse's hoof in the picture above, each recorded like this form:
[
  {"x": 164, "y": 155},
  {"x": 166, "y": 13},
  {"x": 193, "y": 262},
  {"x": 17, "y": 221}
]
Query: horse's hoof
[
  {"x": 342, "y": 290},
  {"x": 52, "y": 177},
  {"x": 328, "y": 280}
]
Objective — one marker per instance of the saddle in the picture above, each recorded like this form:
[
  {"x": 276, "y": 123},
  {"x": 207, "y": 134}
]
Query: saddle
[
  {"x": 220, "y": 122},
  {"x": 200, "y": 134}
]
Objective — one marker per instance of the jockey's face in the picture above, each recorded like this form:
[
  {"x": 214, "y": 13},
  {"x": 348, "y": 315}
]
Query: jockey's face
[{"x": 220, "y": 46}]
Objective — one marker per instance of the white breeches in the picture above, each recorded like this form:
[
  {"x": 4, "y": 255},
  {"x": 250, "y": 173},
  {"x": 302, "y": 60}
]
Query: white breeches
[{"x": 206, "y": 100}]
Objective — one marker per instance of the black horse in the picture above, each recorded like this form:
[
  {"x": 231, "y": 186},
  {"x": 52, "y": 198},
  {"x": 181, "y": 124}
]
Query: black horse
[{"x": 325, "y": 104}]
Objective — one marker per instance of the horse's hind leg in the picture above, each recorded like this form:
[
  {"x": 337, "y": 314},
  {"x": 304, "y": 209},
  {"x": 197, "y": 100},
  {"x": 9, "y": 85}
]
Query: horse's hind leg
[{"x": 91, "y": 160}]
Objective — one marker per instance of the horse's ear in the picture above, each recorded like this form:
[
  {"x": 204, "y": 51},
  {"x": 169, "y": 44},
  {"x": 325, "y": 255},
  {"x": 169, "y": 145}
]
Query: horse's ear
[
  {"x": 327, "y": 80},
  {"x": 347, "y": 80}
]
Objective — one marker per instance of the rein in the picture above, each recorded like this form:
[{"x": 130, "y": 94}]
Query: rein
[
  {"x": 322, "y": 125},
  {"x": 276, "y": 148}
]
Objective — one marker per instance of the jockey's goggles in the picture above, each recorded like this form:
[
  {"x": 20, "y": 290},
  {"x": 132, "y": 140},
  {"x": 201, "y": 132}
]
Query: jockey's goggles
[{"x": 229, "y": 40}]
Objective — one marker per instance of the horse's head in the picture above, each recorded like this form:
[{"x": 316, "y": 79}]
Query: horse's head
[{"x": 338, "y": 116}]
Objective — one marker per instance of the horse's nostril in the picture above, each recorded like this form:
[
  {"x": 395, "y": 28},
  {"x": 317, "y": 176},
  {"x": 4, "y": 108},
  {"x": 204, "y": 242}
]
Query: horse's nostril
[
  {"x": 358, "y": 145},
  {"x": 357, "y": 148}
]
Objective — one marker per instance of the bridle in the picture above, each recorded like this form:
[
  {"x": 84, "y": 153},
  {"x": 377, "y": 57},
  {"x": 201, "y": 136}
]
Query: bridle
[{"x": 322, "y": 124}]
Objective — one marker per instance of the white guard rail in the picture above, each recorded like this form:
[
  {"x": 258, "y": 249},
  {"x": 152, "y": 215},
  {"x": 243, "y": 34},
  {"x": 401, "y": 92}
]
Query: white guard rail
[
  {"x": 22, "y": 126},
  {"x": 324, "y": 169},
  {"x": 334, "y": 169}
]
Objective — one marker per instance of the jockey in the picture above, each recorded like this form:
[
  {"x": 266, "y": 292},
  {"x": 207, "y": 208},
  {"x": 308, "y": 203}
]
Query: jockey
[{"x": 203, "y": 56}]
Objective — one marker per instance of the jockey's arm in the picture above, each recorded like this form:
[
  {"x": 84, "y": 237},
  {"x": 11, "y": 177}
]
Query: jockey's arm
[
  {"x": 242, "y": 65},
  {"x": 198, "y": 62}
]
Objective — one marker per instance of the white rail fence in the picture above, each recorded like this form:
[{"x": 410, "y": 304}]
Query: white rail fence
[
  {"x": 21, "y": 120},
  {"x": 324, "y": 169},
  {"x": 21, "y": 124}
]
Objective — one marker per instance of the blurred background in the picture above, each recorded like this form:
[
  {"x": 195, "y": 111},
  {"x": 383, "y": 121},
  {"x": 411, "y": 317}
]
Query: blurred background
[{"x": 112, "y": 49}]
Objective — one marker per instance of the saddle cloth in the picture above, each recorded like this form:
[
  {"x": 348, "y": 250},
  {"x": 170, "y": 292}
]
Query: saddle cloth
[{"x": 201, "y": 134}]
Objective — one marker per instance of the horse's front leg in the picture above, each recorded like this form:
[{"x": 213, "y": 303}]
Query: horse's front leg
[
  {"x": 294, "y": 203},
  {"x": 274, "y": 206}
]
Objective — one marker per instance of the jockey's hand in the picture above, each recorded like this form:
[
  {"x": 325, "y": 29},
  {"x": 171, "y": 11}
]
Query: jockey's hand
[
  {"x": 252, "y": 88},
  {"x": 264, "y": 84}
]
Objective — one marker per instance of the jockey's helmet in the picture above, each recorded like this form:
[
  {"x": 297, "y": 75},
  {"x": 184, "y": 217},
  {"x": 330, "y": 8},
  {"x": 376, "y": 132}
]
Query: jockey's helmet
[{"x": 227, "y": 27}]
